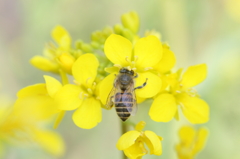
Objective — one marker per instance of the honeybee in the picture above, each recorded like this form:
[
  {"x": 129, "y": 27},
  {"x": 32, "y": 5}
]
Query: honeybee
[{"x": 122, "y": 95}]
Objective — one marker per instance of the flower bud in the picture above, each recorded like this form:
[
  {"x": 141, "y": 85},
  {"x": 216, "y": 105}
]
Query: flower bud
[
  {"x": 66, "y": 61},
  {"x": 131, "y": 21}
]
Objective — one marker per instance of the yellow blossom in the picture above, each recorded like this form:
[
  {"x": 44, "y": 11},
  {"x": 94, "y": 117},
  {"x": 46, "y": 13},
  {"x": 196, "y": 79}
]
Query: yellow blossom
[
  {"x": 191, "y": 142},
  {"x": 140, "y": 58},
  {"x": 55, "y": 58},
  {"x": 84, "y": 95},
  {"x": 167, "y": 61},
  {"x": 133, "y": 142},
  {"x": 26, "y": 122},
  {"x": 181, "y": 93}
]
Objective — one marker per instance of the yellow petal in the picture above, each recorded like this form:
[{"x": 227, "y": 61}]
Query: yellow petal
[
  {"x": 41, "y": 107},
  {"x": 187, "y": 135},
  {"x": 106, "y": 86},
  {"x": 85, "y": 69},
  {"x": 61, "y": 36},
  {"x": 89, "y": 114},
  {"x": 50, "y": 141},
  {"x": 69, "y": 97},
  {"x": 131, "y": 21},
  {"x": 117, "y": 48},
  {"x": 35, "y": 100},
  {"x": 167, "y": 61},
  {"x": 44, "y": 64},
  {"x": 127, "y": 139},
  {"x": 195, "y": 109},
  {"x": 111, "y": 69},
  {"x": 165, "y": 83},
  {"x": 153, "y": 142},
  {"x": 148, "y": 51},
  {"x": 37, "y": 89},
  {"x": 52, "y": 85},
  {"x": 140, "y": 99},
  {"x": 202, "y": 135},
  {"x": 152, "y": 87},
  {"x": 136, "y": 151},
  {"x": 163, "y": 108},
  {"x": 194, "y": 75}
]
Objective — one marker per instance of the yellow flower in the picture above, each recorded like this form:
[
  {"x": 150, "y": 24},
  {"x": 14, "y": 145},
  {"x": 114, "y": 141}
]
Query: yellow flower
[
  {"x": 131, "y": 21},
  {"x": 84, "y": 95},
  {"x": 140, "y": 58},
  {"x": 191, "y": 142},
  {"x": 36, "y": 101},
  {"x": 133, "y": 142},
  {"x": 196, "y": 110},
  {"x": 167, "y": 61},
  {"x": 56, "y": 58},
  {"x": 27, "y": 121}
]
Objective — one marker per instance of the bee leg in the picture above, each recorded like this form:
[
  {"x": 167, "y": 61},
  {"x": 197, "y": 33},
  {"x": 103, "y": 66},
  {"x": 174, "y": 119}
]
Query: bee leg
[
  {"x": 144, "y": 84},
  {"x": 136, "y": 76}
]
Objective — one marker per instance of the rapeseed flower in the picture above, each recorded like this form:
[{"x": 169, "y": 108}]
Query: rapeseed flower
[
  {"x": 60, "y": 57},
  {"x": 191, "y": 142},
  {"x": 165, "y": 105},
  {"x": 133, "y": 142},
  {"x": 139, "y": 57},
  {"x": 84, "y": 95},
  {"x": 26, "y": 122}
]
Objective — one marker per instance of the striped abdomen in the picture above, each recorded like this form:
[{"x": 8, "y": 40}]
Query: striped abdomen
[{"x": 123, "y": 105}]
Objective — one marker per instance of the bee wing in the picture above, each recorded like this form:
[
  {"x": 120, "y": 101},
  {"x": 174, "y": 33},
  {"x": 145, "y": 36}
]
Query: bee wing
[
  {"x": 111, "y": 96},
  {"x": 133, "y": 99},
  {"x": 110, "y": 99}
]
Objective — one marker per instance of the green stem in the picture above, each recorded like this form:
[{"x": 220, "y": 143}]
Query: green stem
[
  {"x": 124, "y": 130},
  {"x": 63, "y": 77}
]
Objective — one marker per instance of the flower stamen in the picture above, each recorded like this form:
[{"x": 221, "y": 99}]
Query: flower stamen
[
  {"x": 81, "y": 95},
  {"x": 148, "y": 68},
  {"x": 117, "y": 65},
  {"x": 127, "y": 59},
  {"x": 136, "y": 58}
]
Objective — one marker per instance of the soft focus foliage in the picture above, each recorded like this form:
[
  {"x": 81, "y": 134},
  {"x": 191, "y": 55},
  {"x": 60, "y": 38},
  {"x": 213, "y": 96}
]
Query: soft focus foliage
[
  {"x": 191, "y": 142},
  {"x": 23, "y": 124}
]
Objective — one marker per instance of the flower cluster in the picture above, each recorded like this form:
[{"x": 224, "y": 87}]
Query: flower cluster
[
  {"x": 132, "y": 142},
  {"x": 26, "y": 122},
  {"x": 93, "y": 68}
]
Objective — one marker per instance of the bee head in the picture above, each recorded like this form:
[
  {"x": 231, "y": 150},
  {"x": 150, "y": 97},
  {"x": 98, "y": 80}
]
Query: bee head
[{"x": 125, "y": 70}]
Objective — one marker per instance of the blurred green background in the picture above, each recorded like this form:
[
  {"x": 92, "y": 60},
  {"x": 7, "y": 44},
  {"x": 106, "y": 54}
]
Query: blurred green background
[{"x": 198, "y": 31}]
